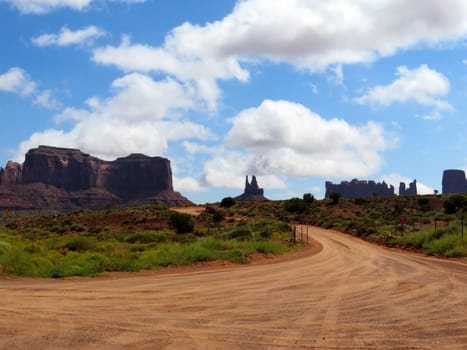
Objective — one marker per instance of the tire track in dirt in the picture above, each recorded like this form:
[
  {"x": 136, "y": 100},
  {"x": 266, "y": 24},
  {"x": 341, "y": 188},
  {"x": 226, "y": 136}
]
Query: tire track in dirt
[{"x": 351, "y": 295}]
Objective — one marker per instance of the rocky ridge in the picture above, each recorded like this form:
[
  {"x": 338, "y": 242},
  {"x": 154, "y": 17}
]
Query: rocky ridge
[
  {"x": 368, "y": 188},
  {"x": 66, "y": 179},
  {"x": 252, "y": 193}
]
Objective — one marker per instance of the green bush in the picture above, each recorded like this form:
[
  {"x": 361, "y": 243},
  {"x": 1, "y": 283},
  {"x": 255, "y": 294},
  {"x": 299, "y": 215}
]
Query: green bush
[
  {"x": 445, "y": 241},
  {"x": 335, "y": 197},
  {"x": 454, "y": 203},
  {"x": 218, "y": 215},
  {"x": 440, "y": 245},
  {"x": 4, "y": 247},
  {"x": 80, "y": 244},
  {"x": 296, "y": 205},
  {"x": 183, "y": 223},
  {"x": 227, "y": 202},
  {"x": 241, "y": 233},
  {"x": 361, "y": 201},
  {"x": 145, "y": 237},
  {"x": 308, "y": 198},
  {"x": 59, "y": 229}
]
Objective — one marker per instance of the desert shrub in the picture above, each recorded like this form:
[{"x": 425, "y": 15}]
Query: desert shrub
[
  {"x": 454, "y": 203},
  {"x": 227, "y": 202},
  {"x": 80, "y": 228},
  {"x": 459, "y": 250},
  {"x": 33, "y": 248},
  {"x": 58, "y": 229},
  {"x": 424, "y": 204},
  {"x": 361, "y": 201},
  {"x": 58, "y": 271},
  {"x": 335, "y": 197},
  {"x": 95, "y": 229},
  {"x": 4, "y": 247},
  {"x": 145, "y": 237},
  {"x": 240, "y": 233},
  {"x": 308, "y": 198},
  {"x": 423, "y": 201},
  {"x": 197, "y": 252},
  {"x": 417, "y": 239},
  {"x": 67, "y": 222},
  {"x": 218, "y": 215},
  {"x": 87, "y": 264},
  {"x": 445, "y": 241},
  {"x": 442, "y": 245},
  {"x": 266, "y": 234},
  {"x": 296, "y": 205},
  {"x": 363, "y": 228},
  {"x": 17, "y": 262},
  {"x": 268, "y": 247},
  {"x": 80, "y": 244},
  {"x": 183, "y": 223},
  {"x": 30, "y": 233},
  {"x": 184, "y": 238},
  {"x": 328, "y": 224}
]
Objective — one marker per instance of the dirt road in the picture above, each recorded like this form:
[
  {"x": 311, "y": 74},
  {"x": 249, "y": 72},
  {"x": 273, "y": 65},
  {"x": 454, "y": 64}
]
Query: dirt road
[{"x": 351, "y": 295}]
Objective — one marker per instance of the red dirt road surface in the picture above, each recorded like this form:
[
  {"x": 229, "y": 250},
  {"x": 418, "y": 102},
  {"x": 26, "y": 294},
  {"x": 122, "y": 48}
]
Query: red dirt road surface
[{"x": 350, "y": 295}]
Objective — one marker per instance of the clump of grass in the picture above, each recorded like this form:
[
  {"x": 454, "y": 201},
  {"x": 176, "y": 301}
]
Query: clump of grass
[
  {"x": 80, "y": 244},
  {"x": 446, "y": 241},
  {"x": 146, "y": 237}
]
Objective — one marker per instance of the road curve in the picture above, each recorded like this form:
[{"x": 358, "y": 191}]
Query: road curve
[{"x": 351, "y": 295}]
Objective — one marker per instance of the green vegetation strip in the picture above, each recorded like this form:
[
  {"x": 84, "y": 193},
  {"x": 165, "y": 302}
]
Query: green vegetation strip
[
  {"x": 51, "y": 254},
  {"x": 446, "y": 241}
]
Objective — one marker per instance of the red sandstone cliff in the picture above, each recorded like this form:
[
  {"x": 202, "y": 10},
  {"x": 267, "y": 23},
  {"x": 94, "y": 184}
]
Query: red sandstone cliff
[{"x": 64, "y": 179}]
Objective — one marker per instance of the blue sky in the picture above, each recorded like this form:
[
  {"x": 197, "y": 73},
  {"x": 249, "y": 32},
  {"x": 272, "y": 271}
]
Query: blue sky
[{"x": 296, "y": 92}]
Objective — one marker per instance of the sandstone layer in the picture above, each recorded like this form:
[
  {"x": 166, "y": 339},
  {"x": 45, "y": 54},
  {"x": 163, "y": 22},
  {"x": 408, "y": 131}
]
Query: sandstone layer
[{"x": 66, "y": 179}]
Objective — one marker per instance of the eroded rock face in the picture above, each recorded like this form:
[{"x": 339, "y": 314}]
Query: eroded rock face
[
  {"x": 252, "y": 193},
  {"x": 359, "y": 189},
  {"x": 11, "y": 175},
  {"x": 64, "y": 179},
  {"x": 69, "y": 169},
  {"x": 408, "y": 191},
  {"x": 454, "y": 181},
  {"x": 138, "y": 176}
]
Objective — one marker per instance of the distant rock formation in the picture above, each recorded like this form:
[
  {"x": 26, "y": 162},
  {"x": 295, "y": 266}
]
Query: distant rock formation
[
  {"x": 454, "y": 181},
  {"x": 252, "y": 192},
  {"x": 410, "y": 191},
  {"x": 359, "y": 188},
  {"x": 65, "y": 179}
]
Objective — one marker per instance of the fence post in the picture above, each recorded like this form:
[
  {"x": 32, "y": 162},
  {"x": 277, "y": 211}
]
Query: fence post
[{"x": 462, "y": 226}]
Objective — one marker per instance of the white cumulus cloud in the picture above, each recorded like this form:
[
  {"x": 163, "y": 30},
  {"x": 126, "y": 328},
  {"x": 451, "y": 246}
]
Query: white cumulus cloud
[
  {"x": 187, "y": 184},
  {"x": 16, "y": 80},
  {"x": 228, "y": 168},
  {"x": 66, "y": 37},
  {"x": 141, "y": 117},
  {"x": 203, "y": 72},
  {"x": 280, "y": 139},
  {"x": 310, "y": 34},
  {"x": 44, "y": 6},
  {"x": 422, "y": 85},
  {"x": 39, "y": 7},
  {"x": 46, "y": 100}
]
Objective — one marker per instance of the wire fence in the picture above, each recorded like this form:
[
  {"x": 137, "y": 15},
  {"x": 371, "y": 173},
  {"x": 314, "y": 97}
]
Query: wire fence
[{"x": 301, "y": 233}]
